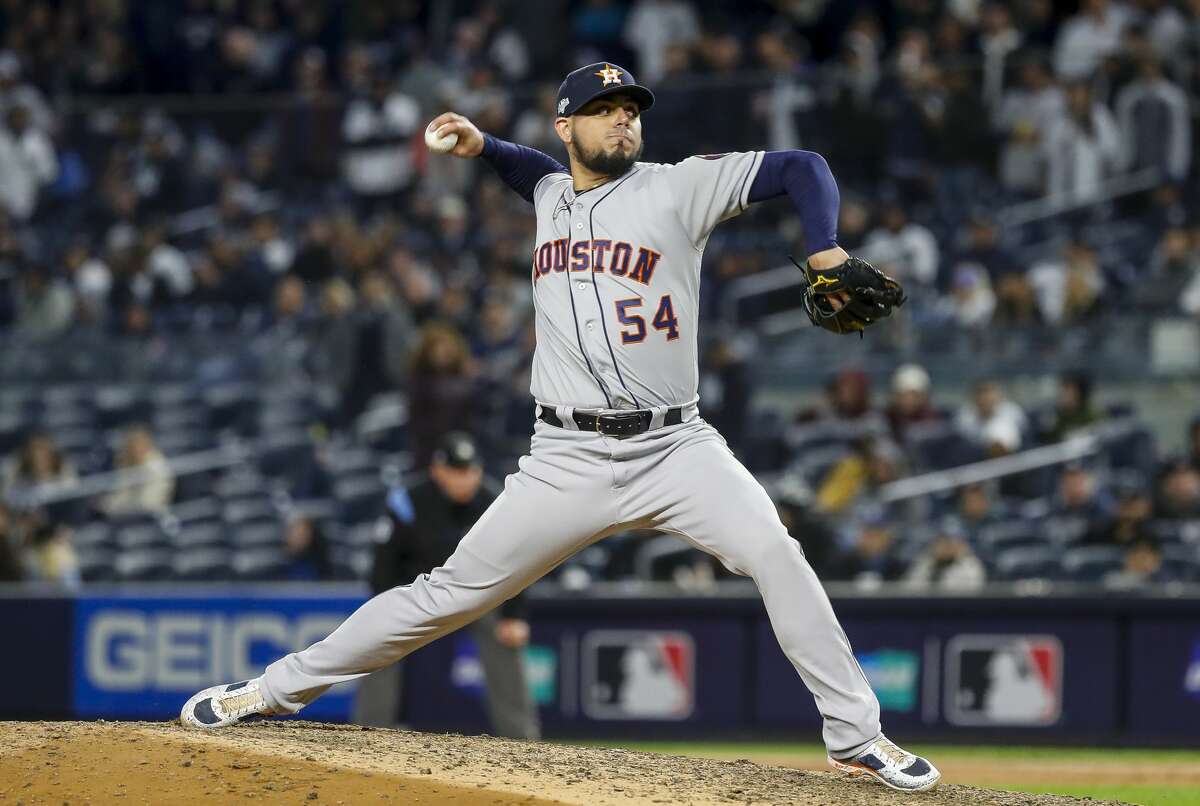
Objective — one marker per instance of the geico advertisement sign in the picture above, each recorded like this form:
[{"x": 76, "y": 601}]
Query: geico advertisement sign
[{"x": 130, "y": 650}]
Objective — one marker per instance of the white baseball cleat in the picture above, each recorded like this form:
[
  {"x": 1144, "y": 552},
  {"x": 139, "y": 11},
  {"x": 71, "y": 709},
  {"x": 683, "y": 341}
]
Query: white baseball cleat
[
  {"x": 891, "y": 765},
  {"x": 221, "y": 706}
]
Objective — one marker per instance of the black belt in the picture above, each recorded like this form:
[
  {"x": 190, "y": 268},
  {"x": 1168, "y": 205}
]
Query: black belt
[{"x": 622, "y": 424}]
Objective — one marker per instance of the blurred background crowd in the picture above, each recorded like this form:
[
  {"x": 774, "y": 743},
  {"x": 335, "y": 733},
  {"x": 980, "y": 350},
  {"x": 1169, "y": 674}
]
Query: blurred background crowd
[{"x": 229, "y": 268}]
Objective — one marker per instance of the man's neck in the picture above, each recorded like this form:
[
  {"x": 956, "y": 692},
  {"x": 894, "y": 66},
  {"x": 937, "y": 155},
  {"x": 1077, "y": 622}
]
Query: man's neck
[{"x": 584, "y": 179}]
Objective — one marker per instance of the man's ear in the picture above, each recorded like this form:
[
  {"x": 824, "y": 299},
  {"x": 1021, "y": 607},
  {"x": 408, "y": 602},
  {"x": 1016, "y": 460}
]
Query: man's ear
[{"x": 562, "y": 126}]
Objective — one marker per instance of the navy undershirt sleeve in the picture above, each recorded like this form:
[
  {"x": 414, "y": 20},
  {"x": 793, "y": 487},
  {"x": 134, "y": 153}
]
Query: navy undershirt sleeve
[
  {"x": 805, "y": 177},
  {"x": 520, "y": 167}
]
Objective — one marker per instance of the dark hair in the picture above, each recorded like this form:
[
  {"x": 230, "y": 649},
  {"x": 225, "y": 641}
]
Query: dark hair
[
  {"x": 24, "y": 460},
  {"x": 1082, "y": 381},
  {"x": 430, "y": 335}
]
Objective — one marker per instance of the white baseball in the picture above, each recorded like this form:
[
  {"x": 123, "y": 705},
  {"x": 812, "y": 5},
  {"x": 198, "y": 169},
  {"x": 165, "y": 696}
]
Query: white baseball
[{"x": 439, "y": 145}]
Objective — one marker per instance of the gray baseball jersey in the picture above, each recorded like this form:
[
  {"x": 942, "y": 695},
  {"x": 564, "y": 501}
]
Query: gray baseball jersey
[
  {"x": 616, "y": 275},
  {"x": 616, "y": 279}
]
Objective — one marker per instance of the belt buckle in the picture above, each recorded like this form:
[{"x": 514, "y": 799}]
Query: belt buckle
[{"x": 623, "y": 424}]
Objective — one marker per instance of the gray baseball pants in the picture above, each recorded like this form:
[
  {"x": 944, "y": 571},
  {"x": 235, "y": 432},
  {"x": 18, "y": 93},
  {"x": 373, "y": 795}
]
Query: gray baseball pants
[{"x": 573, "y": 489}]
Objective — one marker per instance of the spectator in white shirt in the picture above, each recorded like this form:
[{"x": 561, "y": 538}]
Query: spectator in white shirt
[
  {"x": 1166, "y": 27},
  {"x": 991, "y": 420},
  {"x": 1082, "y": 147},
  {"x": 998, "y": 38},
  {"x": 1156, "y": 123},
  {"x": 948, "y": 563},
  {"x": 1089, "y": 37},
  {"x": 653, "y": 26},
  {"x": 156, "y": 488},
  {"x": 902, "y": 248},
  {"x": 377, "y": 128},
  {"x": 27, "y": 163},
  {"x": 1037, "y": 101},
  {"x": 15, "y": 93},
  {"x": 1068, "y": 289}
]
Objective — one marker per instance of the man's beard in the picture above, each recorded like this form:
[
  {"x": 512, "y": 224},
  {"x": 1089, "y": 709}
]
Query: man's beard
[{"x": 607, "y": 164}]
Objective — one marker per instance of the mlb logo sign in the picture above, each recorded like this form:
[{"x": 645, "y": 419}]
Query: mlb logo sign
[
  {"x": 1004, "y": 680},
  {"x": 638, "y": 674}
]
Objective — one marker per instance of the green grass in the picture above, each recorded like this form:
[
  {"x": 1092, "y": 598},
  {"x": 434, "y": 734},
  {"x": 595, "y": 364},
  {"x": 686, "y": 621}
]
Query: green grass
[
  {"x": 1141, "y": 794},
  {"x": 723, "y": 749}
]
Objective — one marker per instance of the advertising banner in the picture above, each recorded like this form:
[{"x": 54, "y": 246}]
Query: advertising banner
[
  {"x": 143, "y": 656},
  {"x": 592, "y": 675},
  {"x": 35, "y": 683},
  {"x": 979, "y": 673},
  {"x": 1164, "y": 678}
]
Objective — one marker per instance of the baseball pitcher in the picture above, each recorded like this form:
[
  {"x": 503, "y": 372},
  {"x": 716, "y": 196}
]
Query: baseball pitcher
[{"x": 619, "y": 442}]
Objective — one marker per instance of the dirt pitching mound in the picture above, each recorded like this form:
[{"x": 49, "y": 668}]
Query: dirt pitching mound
[{"x": 285, "y": 761}]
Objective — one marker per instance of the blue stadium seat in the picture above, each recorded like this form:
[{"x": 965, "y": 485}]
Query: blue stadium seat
[
  {"x": 63, "y": 418},
  {"x": 178, "y": 442},
  {"x": 1091, "y": 563},
  {"x": 1065, "y": 529},
  {"x": 199, "y": 510},
  {"x": 167, "y": 396},
  {"x": 351, "y": 462},
  {"x": 96, "y": 564},
  {"x": 13, "y": 427},
  {"x": 358, "y": 535},
  {"x": 359, "y": 498},
  {"x": 195, "y": 486},
  {"x": 1168, "y": 532},
  {"x": 150, "y": 565},
  {"x": 287, "y": 455},
  {"x": 352, "y": 563},
  {"x": 1003, "y": 535},
  {"x": 189, "y": 418},
  {"x": 119, "y": 405},
  {"x": 202, "y": 564},
  {"x": 1027, "y": 562},
  {"x": 1183, "y": 561},
  {"x": 259, "y": 564},
  {"x": 256, "y": 535},
  {"x": 231, "y": 405},
  {"x": 201, "y": 535},
  {"x": 146, "y": 536},
  {"x": 96, "y": 534},
  {"x": 240, "y": 484},
  {"x": 938, "y": 445},
  {"x": 125, "y": 520},
  {"x": 246, "y": 510}
]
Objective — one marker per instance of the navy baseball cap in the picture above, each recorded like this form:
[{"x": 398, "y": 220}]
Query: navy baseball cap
[
  {"x": 595, "y": 81},
  {"x": 457, "y": 449}
]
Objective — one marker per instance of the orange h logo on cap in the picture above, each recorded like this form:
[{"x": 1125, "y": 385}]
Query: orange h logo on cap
[{"x": 610, "y": 74}]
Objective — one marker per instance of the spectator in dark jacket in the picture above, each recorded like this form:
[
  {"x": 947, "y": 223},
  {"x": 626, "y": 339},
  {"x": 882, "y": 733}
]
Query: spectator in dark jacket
[
  {"x": 1131, "y": 515},
  {"x": 1179, "y": 491},
  {"x": 10, "y": 558},
  {"x": 307, "y": 550},
  {"x": 1073, "y": 409},
  {"x": 872, "y": 559},
  {"x": 443, "y": 388},
  {"x": 1194, "y": 443}
]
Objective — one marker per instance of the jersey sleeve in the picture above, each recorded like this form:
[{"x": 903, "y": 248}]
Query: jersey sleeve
[
  {"x": 709, "y": 189},
  {"x": 550, "y": 183}
]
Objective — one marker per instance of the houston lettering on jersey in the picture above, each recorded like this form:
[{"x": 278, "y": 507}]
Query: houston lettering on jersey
[{"x": 601, "y": 255}]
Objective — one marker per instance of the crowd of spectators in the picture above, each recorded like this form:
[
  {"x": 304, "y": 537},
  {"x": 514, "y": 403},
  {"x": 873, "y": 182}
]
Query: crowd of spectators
[
  {"x": 1121, "y": 516},
  {"x": 171, "y": 172}
]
